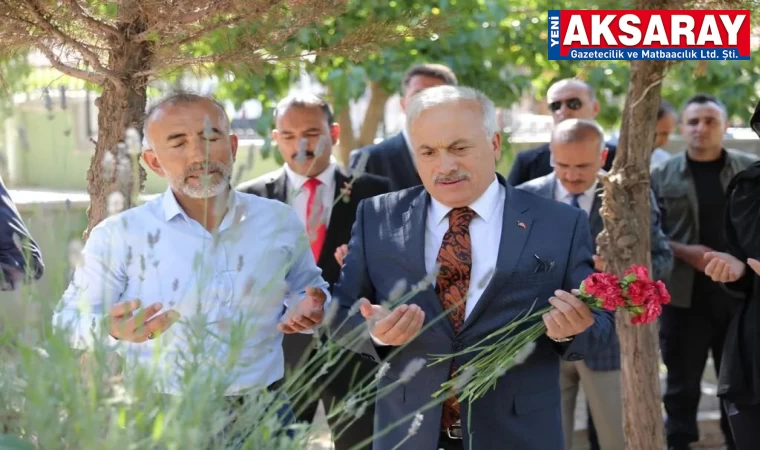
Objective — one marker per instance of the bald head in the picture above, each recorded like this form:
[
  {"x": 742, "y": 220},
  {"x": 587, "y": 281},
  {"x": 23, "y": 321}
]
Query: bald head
[
  {"x": 190, "y": 144},
  {"x": 179, "y": 100},
  {"x": 572, "y": 99}
]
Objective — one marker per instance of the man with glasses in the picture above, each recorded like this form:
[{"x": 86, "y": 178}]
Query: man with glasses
[
  {"x": 579, "y": 153},
  {"x": 568, "y": 99}
]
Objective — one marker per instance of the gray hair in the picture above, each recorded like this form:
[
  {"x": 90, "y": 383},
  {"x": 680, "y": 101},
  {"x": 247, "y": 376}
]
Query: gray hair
[
  {"x": 572, "y": 131},
  {"x": 179, "y": 98},
  {"x": 446, "y": 94}
]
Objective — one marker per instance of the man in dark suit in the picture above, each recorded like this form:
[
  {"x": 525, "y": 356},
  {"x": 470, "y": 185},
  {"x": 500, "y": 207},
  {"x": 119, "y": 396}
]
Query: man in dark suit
[
  {"x": 393, "y": 158},
  {"x": 568, "y": 99},
  {"x": 309, "y": 181},
  {"x": 499, "y": 250},
  {"x": 578, "y": 151},
  {"x": 20, "y": 257}
]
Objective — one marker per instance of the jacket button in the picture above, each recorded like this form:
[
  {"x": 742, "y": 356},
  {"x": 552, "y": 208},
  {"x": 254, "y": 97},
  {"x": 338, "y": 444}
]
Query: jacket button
[{"x": 456, "y": 345}]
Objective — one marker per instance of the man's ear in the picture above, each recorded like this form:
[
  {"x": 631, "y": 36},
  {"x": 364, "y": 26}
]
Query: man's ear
[
  {"x": 234, "y": 145},
  {"x": 151, "y": 159},
  {"x": 335, "y": 133},
  {"x": 605, "y": 154}
]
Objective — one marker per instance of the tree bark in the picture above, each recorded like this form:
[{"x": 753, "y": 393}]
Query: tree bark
[
  {"x": 375, "y": 113},
  {"x": 368, "y": 130},
  {"x": 121, "y": 106},
  {"x": 347, "y": 139},
  {"x": 626, "y": 241}
]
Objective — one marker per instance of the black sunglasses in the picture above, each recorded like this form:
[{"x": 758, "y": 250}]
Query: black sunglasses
[{"x": 573, "y": 103}]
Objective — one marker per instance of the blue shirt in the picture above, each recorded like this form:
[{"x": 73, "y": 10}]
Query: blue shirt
[{"x": 256, "y": 264}]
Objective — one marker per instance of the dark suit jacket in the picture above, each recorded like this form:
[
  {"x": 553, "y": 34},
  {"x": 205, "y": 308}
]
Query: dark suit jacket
[
  {"x": 662, "y": 257},
  {"x": 536, "y": 162},
  {"x": 523, "y": 410},
  {"x": 390, "y": 159},
  {"x": 20, "y": 259}
]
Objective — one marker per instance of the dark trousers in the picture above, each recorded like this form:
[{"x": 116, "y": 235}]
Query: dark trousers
[
  {"x": 745, "y": 425},
  {"x": 686, "y": 336},
  {"x": 294, "y": 346}
]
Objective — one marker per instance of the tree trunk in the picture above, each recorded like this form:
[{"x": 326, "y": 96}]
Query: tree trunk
[
  {"x": 374, "y": 115},
  {"x": 368, "y": 130},
  {"x": 626, "y": 241},
  {"x": 121, "y": 106},
  {"x": 347, "y": 139}
]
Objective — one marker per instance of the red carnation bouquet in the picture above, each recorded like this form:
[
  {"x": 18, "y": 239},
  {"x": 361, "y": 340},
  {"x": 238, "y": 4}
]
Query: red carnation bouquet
[
  {"x": 635, "y": 293},
  {"x": 510, "y": 345}
]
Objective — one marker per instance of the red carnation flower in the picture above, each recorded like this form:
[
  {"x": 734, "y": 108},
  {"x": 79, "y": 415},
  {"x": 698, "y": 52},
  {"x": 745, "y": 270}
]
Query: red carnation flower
[
  {"x": 641, "y": 272},
  {"x": 662, "y": 293}
]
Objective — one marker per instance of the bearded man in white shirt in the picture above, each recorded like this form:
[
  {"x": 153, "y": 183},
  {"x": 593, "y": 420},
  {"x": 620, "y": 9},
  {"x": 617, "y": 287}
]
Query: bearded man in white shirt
[{"x": 212, "y": 256}]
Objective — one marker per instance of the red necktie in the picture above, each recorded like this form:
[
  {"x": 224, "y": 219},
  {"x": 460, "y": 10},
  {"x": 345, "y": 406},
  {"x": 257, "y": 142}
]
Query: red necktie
[
  {"x": 315, "y": 226},
  {"x": 452, "y": 284}
]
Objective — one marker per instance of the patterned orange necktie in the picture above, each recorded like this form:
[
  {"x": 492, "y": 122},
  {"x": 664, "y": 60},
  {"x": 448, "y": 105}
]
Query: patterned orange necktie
[{"x": 452, "y": 283}]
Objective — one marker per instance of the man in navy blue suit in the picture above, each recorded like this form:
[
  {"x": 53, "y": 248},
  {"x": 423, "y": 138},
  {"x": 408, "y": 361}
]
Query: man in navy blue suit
[{"x": 499, "y": 250}]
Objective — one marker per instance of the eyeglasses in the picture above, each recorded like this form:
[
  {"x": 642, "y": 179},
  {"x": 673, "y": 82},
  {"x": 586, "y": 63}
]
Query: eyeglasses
[{"x": 573, "y": 103}]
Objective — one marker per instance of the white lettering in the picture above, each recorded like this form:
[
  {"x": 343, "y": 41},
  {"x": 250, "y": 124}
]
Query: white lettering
[
  {"x": 575, "y": 32},
  {"x": 732, "y": 28},
  {"x": 682, "y": 25},
  {"x": 554, "y": 34},
  {"x": 655, "y": 32},
  {"x": 632, "y": 31},
  {"x": 709, "y": 32},
  {"x": 602, "y": 28}
]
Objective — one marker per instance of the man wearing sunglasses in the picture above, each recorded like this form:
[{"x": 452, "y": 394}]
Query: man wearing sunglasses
[{"x": 568, "y": 99}]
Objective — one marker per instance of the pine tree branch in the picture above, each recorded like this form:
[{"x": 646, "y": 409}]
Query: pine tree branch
[
  {"x": 68, "y": 70},
  {"x": 95, "y": 25},
  {"x": 179, "y": 18},
  {"x": 86, "y": 53}
]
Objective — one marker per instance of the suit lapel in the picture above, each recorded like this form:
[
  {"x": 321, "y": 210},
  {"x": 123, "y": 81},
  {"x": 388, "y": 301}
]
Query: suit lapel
[
  {"x": 340, "y": 212},
  {"x": 413, "y": 235},
  {"x": 277, "y": 189},
  {"x": 515, "y": 231}
]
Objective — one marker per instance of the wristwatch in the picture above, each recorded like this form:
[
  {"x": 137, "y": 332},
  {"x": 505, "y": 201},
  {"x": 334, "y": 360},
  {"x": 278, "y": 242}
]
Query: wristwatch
[{"x": 561, "y": 340}]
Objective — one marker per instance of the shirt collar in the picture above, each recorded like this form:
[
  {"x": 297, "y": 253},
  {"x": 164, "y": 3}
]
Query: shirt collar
[
  {"x": 172, "y": 208},
  {"x": 297, "y": 181},
  {"x": 484, "y": 206},
  {"x": 561, "y": 193}
]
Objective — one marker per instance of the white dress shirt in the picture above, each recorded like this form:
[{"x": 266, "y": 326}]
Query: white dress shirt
[
  {"x": 298, "y": 195},
  {"x": 257, "y": 262},
  {"x": 485, "y": 237},
  {"x": 585, "y": 200}
]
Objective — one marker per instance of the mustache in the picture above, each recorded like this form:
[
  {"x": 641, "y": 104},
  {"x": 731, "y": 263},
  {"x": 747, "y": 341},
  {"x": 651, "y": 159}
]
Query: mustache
[
  {"x": 457, "y": 176},
  {"x": 211, "y": 166},
  {"x": 304, "y": 154}
]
